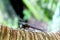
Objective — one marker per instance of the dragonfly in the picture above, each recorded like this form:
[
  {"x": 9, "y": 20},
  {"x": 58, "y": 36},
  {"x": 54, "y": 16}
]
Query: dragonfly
[{"x": 23, "y": 24}]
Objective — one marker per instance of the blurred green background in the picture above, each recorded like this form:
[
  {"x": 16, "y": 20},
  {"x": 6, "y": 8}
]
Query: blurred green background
[{"x": 39, "y": 10}]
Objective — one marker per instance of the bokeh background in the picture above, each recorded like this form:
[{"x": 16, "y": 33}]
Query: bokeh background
[{"x": 42, "y": 14}]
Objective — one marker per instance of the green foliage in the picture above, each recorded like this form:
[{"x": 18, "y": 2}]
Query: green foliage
[
  {"x": 48, "y": 13},
  {"x": 39, "y": 7},
  {"x": 27, "y": 14}
]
